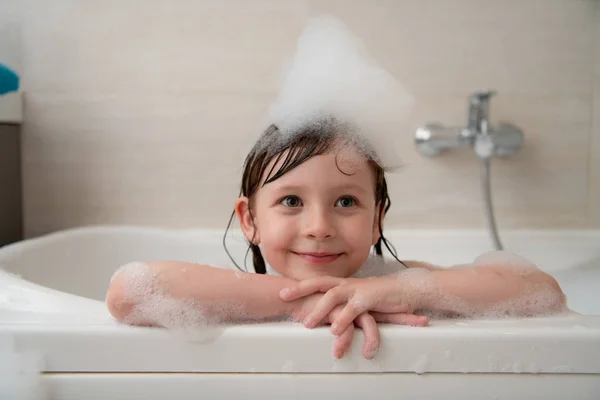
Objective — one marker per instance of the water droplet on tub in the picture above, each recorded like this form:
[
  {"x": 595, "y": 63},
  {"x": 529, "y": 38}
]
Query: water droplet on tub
[
  {"x": 534, "y": 368},
  {"x": 517, "y": 368},
  {"x": 562, "y": 369},
  {"x": 346, "y": 364},
  {"x": 288, "y": 366},
  {"x": 422, "y": 364}
]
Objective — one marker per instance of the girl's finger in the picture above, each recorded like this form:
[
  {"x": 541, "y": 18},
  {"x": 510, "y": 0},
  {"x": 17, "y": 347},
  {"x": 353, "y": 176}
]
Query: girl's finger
[
  {"x": 371, "y": 333},
  {"x": 344, "y": 341},
  {"x": 401, "y": 319},
  {"x": 394, "y": 308},
  {"x": 350, "y": 312},
  {"x": 308, "y": 287},
  {"x": 325, "y": 305}
]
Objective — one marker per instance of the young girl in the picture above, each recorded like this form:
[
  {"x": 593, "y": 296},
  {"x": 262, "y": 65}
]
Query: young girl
[{"x": 312, "y": 206}]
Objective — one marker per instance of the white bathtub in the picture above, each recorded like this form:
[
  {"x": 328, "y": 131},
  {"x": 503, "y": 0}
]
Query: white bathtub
[{"x": 57, "y": 337}]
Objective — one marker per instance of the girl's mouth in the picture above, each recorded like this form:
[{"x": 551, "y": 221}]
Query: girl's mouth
[{"x": 318, "y": 258}]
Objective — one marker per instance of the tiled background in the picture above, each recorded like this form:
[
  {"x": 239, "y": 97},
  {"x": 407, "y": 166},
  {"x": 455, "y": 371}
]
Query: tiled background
[{"x": 141, "y": 112}]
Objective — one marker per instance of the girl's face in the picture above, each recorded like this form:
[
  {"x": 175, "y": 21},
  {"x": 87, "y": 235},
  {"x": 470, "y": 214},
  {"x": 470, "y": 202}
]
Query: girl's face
[{"x": 315, "y": 220}]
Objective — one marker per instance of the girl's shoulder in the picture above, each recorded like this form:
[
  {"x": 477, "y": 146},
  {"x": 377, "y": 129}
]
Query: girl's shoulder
[{"x": 377, "y": 266}]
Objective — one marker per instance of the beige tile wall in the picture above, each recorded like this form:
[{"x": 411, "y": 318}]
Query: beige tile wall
[
  {"x": 594, "y": 183},
  {"x": 142, "y": 114}
]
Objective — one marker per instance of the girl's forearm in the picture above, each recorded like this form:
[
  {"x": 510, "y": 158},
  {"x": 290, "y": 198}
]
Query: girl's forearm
[
  {"x": 155, "y": 293},
  {"x": 491, "y": 291}
]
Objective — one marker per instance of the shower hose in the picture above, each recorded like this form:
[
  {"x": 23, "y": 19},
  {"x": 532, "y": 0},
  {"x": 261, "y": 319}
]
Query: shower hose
[{"x": 487, "y": 202}]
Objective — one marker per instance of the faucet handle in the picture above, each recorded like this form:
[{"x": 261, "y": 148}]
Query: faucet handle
[
  {"x": 479, "y": 112},
  {"x": 481, "y": 97}
]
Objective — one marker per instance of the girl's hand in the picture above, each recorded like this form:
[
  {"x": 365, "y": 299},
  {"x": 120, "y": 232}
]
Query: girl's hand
[
  {"x": 383, "y": 297},
  {"x": 344, "y": 340}
]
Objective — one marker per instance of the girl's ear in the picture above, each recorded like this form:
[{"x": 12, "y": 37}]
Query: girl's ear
[
  {"x": 244, "y": 215},
  {"x": 378, "y": 216}
]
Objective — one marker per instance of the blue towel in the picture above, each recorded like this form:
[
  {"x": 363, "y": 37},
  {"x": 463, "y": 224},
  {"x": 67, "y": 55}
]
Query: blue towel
[{"x": 9, "y": 80}]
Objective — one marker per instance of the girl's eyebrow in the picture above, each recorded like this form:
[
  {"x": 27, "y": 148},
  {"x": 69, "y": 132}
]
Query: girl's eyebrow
[
  {"x": 348, "y": 187},
  {"x": 290, "y": 188}
]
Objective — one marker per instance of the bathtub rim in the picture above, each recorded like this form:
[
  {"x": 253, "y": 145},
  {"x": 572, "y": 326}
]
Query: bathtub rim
[{"x": 51, "y": 336}]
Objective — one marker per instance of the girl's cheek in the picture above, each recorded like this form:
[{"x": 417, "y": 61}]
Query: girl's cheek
[{"x": 277, "y": 232}]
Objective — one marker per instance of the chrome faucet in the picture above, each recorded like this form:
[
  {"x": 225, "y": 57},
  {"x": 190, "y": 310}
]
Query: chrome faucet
[
  {"x": 487, "y": 141},
  {"x": 502, "y": 140}
]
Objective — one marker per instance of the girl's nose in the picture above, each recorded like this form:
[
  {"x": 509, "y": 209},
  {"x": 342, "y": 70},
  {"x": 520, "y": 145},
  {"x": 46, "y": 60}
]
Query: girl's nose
[{"x": 319, "y": 225}]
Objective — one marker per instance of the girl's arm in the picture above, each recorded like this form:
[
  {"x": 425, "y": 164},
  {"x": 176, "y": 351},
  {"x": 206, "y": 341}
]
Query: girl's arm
[
  {"x": 180, "y": 295},
  {"x": 149, "y": 294},
  {"x": 493, "y": 289},
  {"x": 496, "y": 284}
]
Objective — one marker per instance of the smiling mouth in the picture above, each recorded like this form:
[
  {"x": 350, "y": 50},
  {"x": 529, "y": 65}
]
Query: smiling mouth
[{"x": 318, "y": 258}]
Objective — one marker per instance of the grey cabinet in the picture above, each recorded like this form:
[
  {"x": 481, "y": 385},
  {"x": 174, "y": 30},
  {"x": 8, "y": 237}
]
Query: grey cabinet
[{"x": 11, "y": 209}]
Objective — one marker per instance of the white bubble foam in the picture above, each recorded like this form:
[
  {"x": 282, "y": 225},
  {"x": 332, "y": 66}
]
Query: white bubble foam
[
  {"x": 537, "y": 298},
  {"x": 377, "y": 266},
  {"x": 505, "y": 259},
  {"x": 152, "y": 305},
  {"x": 332, "y": 75},
  {"x": 184, "y": 318},
  {"x": 138, "y": 279},
  {"x": 413, "y": 282}
]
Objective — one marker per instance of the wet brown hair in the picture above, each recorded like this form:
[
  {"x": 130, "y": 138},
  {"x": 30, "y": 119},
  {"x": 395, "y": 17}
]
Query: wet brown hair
[{"x": 290, "y": 151}]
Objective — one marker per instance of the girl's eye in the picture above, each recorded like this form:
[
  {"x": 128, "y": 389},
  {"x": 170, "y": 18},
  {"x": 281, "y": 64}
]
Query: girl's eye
[
  {"x": 346, "y": 202},
  {"x": 291, "y": 201}
]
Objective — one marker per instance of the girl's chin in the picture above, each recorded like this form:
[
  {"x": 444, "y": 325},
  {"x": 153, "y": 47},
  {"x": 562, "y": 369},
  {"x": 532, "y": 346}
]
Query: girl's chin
[{"x": 296, "y": 268}]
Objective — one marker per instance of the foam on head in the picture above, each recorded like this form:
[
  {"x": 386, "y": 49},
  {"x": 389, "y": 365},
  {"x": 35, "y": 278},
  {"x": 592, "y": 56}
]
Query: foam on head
[{"x": 331, "y": 77}]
